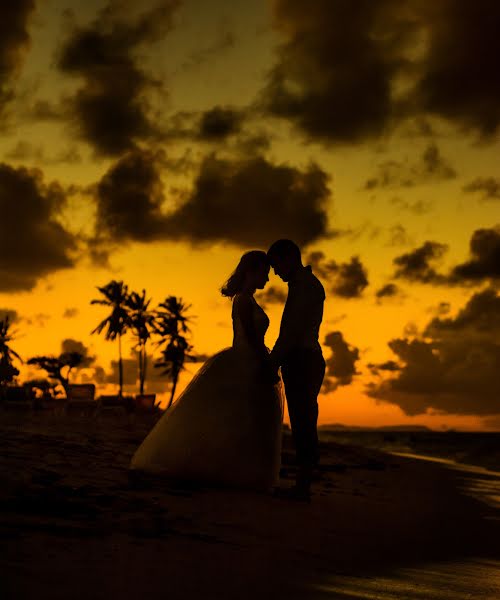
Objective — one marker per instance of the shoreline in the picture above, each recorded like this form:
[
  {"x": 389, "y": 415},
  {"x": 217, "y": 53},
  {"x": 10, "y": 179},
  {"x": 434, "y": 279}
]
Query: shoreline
[{"x": 73, "y": 525}]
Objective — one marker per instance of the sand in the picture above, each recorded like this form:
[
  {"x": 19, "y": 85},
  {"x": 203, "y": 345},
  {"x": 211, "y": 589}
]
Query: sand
[{"x": 378, "y": 526}]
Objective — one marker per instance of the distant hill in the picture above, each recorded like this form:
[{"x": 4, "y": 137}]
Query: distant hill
[{"x": 340, "y": 427}]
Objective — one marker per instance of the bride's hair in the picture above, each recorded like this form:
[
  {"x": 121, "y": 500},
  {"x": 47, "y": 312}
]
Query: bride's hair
[{"x": 250, "y": 261}]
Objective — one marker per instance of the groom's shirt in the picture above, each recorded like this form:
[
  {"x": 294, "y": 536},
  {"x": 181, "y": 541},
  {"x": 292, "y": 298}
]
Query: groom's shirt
[{"x": 301, "y": 317}]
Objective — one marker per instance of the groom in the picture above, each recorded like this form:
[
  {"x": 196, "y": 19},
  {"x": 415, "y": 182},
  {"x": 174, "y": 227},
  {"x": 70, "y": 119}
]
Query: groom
[{"x": 298, "y": 352}]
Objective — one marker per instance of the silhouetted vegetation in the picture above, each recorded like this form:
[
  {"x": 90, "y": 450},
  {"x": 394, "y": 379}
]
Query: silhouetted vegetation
[
  {"x": 8, "y": 372},
  {"x": 167, "y": 324},
  {"x": 46, "y": 389},
  {"x": 141, "y": 323},
  {"x": 116, "y": 324},
  {"x": 171, "y": 324},
  {"x": 54, "y": 366}
]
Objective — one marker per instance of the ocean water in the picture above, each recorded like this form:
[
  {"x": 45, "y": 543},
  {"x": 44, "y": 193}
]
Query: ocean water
[
  {"x": 472, "y": 579},
  {"x": 476, "y": 579},
  {"x": 480, "y": 449},
  {"x": 479, "y": 482}
]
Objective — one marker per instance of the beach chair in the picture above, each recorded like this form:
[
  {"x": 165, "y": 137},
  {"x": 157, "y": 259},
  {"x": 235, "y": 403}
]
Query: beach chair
[
  {"x": 81, "y": 399},
  {"x": 144, "y": 402},
  {"x": 112, "y": 404},
  {"x": 18, "y": 397}
]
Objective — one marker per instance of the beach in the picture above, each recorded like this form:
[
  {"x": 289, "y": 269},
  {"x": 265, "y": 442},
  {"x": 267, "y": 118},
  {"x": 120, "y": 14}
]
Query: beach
[{"x": 379, "y": 525}]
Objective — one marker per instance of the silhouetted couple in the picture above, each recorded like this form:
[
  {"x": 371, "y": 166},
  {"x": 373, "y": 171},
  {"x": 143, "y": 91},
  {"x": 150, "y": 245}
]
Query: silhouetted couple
[{"x": 225, "y": 428}]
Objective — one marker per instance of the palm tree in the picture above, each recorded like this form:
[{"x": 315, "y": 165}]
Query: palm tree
[
  {"x": 7, "y": 370},
  {"x": 115, "y": 296},
  {"x": 141, "y": 322},
  {"x": 171, "y": 325},
  {"x": 54, "y": 366}
]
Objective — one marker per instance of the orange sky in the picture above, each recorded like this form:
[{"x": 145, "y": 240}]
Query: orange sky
[{"x": 292, "y": 117}]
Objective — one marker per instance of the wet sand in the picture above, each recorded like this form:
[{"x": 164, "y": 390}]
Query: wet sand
[{"x": 378, "y": 526}]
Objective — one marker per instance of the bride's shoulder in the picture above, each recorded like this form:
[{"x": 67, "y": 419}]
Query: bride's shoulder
[
  {"x": 243, "y": 303},
  {"x": 242, "y": 299}
]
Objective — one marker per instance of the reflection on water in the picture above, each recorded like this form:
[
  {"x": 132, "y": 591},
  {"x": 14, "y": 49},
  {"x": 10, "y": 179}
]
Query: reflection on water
[
  {"x": 479, "y": 482},
  {"x": 475, "y": 579}
]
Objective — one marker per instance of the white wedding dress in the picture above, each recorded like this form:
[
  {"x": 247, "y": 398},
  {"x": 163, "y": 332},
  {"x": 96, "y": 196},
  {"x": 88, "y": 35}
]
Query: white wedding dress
[{"x": 225, "y": 428}]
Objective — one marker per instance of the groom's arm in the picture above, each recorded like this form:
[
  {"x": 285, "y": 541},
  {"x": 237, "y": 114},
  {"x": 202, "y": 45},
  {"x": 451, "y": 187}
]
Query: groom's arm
[{"x": 289, "y": 329}]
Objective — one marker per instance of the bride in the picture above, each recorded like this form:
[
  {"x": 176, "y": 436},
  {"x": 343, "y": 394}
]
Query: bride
[{"x": 225, "y": 429}]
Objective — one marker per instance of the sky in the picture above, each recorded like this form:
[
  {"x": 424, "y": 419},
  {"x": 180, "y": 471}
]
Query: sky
[{"x": 156, "y": 143}]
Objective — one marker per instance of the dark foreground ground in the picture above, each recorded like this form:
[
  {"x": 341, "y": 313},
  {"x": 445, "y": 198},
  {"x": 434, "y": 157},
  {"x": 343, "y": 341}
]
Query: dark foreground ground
[{"x": 73, "y": 527}]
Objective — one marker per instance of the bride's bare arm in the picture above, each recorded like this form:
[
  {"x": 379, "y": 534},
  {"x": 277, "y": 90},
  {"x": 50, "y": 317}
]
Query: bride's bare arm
[{"x": 243, "y": 306}]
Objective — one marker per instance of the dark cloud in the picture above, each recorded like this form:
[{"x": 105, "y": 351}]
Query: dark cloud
[
  {"x": 459, "y": 77},
  {"x": 484, "y": 263},
  {"x": 430, "y": 168},
  {"x": 32, "y": 241},
  {"x": 347, "y": 71},
  {"x": 70, "y": 313},
  {"x": 14, "y": 41},
  {"x": 219, "y": 122},
  {"x": 341, "y": 366},
  {"x": 130, "y": 197},
  {"x": 488, "y": 186},
  {"x": 389, "y": 290},
  {"x": 253, "y": 202},
  {"x": 272, "y": 295},
  {"x": 480, "y": 316},
  {"x": 416, "y": 265},
  {"x": 71, "y": 345},
  {"x": 350, "y": 279},
  {"x": 333, "y": 75},
  {"x": 214, "y": 125},
  {"x": 112, "y": 109},
  {"x": 11, "y": 313},
  {"x": 244, "y": 202},
  {"x": 347, "y": 279},
  {"x": 389, "y": 365},
  {"x": 453, "y": 366}
]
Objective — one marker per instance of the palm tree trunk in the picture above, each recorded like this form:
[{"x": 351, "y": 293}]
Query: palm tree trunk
[
  {"x": 172, "y": 394},
  {"x": 120, "y": 365},
  {"x": 64, "y": 381},
  {"x": 140, "y": 369},
  {"x": 144, "y": 367}
]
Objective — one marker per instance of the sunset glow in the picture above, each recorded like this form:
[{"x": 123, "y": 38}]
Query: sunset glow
[{"x": 155, "y": 143}]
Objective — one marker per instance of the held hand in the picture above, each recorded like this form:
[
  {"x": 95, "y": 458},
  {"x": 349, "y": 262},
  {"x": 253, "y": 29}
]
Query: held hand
[{"x": 270, "y": 373}]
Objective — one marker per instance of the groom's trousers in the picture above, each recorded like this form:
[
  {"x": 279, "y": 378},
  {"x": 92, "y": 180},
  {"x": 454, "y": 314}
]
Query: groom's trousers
[{"x": 303, "y": 372}]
